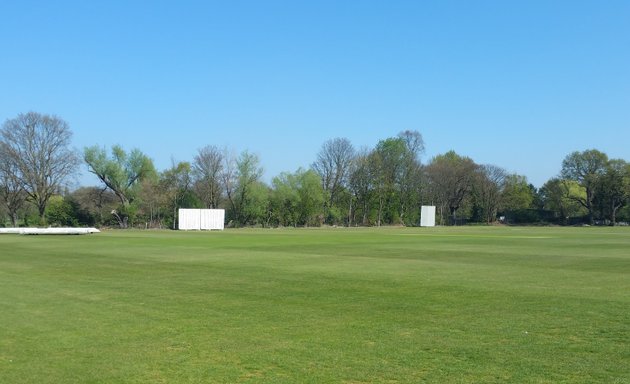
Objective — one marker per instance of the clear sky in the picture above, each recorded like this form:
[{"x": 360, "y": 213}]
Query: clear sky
[{"x": 519, "y": 84}]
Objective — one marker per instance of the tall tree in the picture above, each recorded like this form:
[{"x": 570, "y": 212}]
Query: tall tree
[
  {"x": 12, "y": 193},
  {"x": 361, "y": 185},
  {"x": 586, "y": 168},
  {"x": 333, "y": 166},
  {"x": 560, "y": 195},
  {"x": 391, "y": 159},
  {"x": 37, "y": 147},
  {"x": 488, "y": 189},
  {"x": 121, "y": 173},
  {"x": 517, "y": 193},
  {"x": 411, "y": 182},
  {"x": 95, "y": 203},
  {"x": 175, "y": 183},
  {"x": 207, "y": 169},
  {"x": 241, "y": 178},
  {"x": 614, "y": 188},
  {"x": 451, "y": 179}
]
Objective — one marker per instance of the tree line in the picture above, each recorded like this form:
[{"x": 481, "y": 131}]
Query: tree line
[{"x": 344, "y": 186}]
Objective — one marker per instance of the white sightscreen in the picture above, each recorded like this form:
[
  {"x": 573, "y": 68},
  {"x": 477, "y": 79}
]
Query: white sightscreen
[
  {"x": 427, "y": 216},
  {"x": 189, "y": 219},
  {"x": 196, "y": 219},
  {"x": 212, "y": 218}
]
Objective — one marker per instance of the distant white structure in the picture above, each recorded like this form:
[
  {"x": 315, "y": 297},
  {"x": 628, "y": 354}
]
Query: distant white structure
[
  {"x": 427, "y": 216},
  {"x": 201, "y": 219},
  {"x": 49, "y": 231}
]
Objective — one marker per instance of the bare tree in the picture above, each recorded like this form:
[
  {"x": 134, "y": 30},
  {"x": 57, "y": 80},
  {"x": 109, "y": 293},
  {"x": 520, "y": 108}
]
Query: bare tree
[
  {"x": 487, "y": 190},
  {"x": 36, "y": 145},
  {"x": 414, "y": 142},
  {"x": 333, "y": 166},
  {"x": 12, "y": 193},
  {"x": 207, "y": 170}
]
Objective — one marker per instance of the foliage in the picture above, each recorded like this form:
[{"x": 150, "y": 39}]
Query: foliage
[
  {"x": 122, "y": 173},
  {"x": 61, "y": 212},
  {"x": 36, "y": 159},
  {"x": 586, "y": 168},
  {"x": 451, "y": 179}
]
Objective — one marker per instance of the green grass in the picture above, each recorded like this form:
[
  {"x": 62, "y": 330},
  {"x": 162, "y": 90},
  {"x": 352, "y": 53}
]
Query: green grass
[{"x": 393, "y": 305}]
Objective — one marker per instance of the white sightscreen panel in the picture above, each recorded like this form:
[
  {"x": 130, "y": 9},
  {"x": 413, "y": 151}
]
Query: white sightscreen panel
[
  {"x": 189, "y": 219},
  {"x": 212, "y": 219},
  {"x": 427, "y": 216}
]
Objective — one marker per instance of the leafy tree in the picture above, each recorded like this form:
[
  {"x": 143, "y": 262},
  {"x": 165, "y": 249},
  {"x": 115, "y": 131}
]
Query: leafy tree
[
  {"x": 560, "y": 196},
  {"x": 311, "y": 197},
  {"x": 36, "y": 149},
  {"x": 390, "y": 165},
  {"x": 411, "y": 181},
  {"x": 451, "y": 179},
  {"x": 298, "y": 198},
  {"x": 61, "y": 212},
  {"x": 122, "y": 174},
  {"x": 517, "y": 193},
  {"x": 175, "y": 184},
  {"x": 614, "y": 188},
  {"x": 285, "y": 199},
  {"x": 93, "y": 205},
  {"x": 241, "y": 176},
  {"x": 256, "y": 206},
  {"x": 586, "y": 168},
  {"x": 361, "y": 185}
]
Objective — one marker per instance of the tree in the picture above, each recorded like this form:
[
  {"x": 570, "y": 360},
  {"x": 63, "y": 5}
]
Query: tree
[
  {"x": 390, "y": 160},
  {"x": 285, "y": 199},
  {"x": 207, "y": 169},
  {"x": 94, "y": 204},
  {"x": 298, "y": 198},
  {"x": 121, "y": 173},
  {"x": 36, "y": 147},
  {"x": 333, "y": 167},
  {"x": 517, "y": 193},
  {"x": 175, "y": 183},
  {"x": 361, "y": 185},
  {"x": 61, "y": 212},
  {"x": 411, "y": 182},
  {"x": 241, "y": 176},
  {"x": 451, "y": 179},
  {"x": 560, "y": 196},
  {"x": 12, "y": 193},
  {"x": 586, "y": 168},
  {"x": 614, "y": 187},
  {"x": 488, "y": 190}
]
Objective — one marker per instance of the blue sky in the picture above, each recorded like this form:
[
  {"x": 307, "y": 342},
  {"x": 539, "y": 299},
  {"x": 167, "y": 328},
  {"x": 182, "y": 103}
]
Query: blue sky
[{"x": 515, "y": 84}]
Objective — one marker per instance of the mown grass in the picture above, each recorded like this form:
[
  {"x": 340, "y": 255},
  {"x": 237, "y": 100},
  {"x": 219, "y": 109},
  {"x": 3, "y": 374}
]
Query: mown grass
[{"x": 392, "y": 305}]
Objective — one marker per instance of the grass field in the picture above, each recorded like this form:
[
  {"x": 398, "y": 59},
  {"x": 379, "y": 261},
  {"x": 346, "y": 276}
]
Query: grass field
[{"x": 392, "y": 305}]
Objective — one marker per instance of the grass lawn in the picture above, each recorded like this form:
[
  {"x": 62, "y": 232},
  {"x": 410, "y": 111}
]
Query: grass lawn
[{"x": 390, "y": 305}]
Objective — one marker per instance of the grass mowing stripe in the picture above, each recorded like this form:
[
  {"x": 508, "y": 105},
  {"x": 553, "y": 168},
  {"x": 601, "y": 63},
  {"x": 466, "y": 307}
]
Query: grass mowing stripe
[{"x": 322, "y": 305}]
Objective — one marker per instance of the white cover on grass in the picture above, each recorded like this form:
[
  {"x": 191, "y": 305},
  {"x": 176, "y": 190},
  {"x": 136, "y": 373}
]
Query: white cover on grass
[
  {"x": 49, "y": 231},
  {"x": 201, "y": 219},
  {"x": 427, "y": 216}
]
